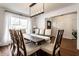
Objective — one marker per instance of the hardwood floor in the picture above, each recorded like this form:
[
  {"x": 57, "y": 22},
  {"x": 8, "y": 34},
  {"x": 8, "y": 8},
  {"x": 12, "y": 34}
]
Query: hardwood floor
[
  {"x": 68, "y": 48},
  {"x": 5, "y": 50}
]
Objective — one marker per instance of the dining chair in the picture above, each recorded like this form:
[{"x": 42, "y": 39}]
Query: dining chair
[
  {"x": 54, "y": 48},
  {"x": 36, "y": 31},
  {"x": 41, "y": 31},
  {"x": 26, "y": 49},
  {"x": 14, "y": 50},
  {"x": 48, "y": 32}
]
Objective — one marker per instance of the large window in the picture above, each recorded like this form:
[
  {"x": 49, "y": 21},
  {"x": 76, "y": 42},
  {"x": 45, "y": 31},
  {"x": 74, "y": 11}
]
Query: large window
[
  {"x": 19, "y": 22},
  {"x": 16, "y": 23},
  {"x": 23, "y": 23}
]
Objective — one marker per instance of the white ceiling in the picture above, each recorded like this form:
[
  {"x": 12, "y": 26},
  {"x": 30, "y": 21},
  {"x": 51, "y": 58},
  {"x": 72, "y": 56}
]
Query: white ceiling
[
  {"x": 23, "y": 8},
  {"x": 55, "y": 6}
]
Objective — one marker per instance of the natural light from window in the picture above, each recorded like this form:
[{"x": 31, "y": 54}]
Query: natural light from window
[{"x": 16, "y": 23}]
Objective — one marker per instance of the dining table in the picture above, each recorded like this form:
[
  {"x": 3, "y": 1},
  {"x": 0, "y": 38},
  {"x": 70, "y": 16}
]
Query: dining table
[{"x": 36, "y": 38}]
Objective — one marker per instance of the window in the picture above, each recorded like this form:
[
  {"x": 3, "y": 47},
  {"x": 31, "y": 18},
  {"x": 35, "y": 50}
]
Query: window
[
  {"x": 16, "y": 23},
  {"x": 23, "y": 23}
]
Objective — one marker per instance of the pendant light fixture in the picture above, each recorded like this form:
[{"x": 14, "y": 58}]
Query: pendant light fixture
[{"x": 36, "y": 9}]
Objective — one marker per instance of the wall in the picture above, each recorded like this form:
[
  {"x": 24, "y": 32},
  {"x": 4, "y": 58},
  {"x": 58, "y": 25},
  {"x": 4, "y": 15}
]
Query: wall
[
  {"x": 66, "y": 22},
  {"x": 41, "y": 18},
  {"x": 74, "y": 8},
  {"x": 4, "y": 36},
  {"x": 78, "y": 26},
  {"x": 33, "y": 21},
  {"x": 2, "y": 24}
]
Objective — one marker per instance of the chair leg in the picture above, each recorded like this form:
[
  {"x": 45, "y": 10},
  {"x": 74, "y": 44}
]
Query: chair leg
[
  {"x": 59, "y": 53},
  {"x": 54, "y": 53}
]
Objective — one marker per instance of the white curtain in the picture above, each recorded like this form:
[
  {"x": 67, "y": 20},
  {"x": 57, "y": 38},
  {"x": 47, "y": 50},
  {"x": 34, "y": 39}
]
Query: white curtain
[{"x": 6, "y": 37}]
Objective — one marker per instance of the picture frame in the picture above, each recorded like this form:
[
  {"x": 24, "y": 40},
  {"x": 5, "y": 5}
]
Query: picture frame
[{"x": 48, "y": 24}]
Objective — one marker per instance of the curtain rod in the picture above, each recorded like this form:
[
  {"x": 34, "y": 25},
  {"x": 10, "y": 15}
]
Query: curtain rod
[{"x": 17, "y": 13}]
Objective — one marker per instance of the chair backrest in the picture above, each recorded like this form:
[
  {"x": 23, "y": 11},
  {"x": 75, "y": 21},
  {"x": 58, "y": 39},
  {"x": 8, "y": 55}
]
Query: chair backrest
[
  {"x": 57, "y": 41},
  {"x": 36, "y": 31},
  {"x": 22, "y": 47},
  {"x": 41, "y": 31},
  {"x": 14, "y": 43},
  {"x": 48, "y": 32},
  {"x": 12, "y": 35}
]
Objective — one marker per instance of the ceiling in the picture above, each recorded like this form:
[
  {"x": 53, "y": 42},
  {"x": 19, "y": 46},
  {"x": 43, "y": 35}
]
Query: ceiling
[{"x": 23, "y": 8}]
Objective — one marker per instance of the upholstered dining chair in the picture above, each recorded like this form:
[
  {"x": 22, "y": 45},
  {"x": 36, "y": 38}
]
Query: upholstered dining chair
[
  {"x": 54, "y": 48},
  {"x": 14, "y": 47},
  {"x": 48, "y": 32},
  {"x": 26, "y": 49}
]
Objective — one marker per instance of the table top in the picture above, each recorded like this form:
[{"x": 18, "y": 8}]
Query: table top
[
  {"x": 35, "y": 38},
  {"x": 40, "y": 36}
]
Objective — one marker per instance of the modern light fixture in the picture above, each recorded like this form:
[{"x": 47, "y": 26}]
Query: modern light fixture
[{"x": 36, "y": 9}]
